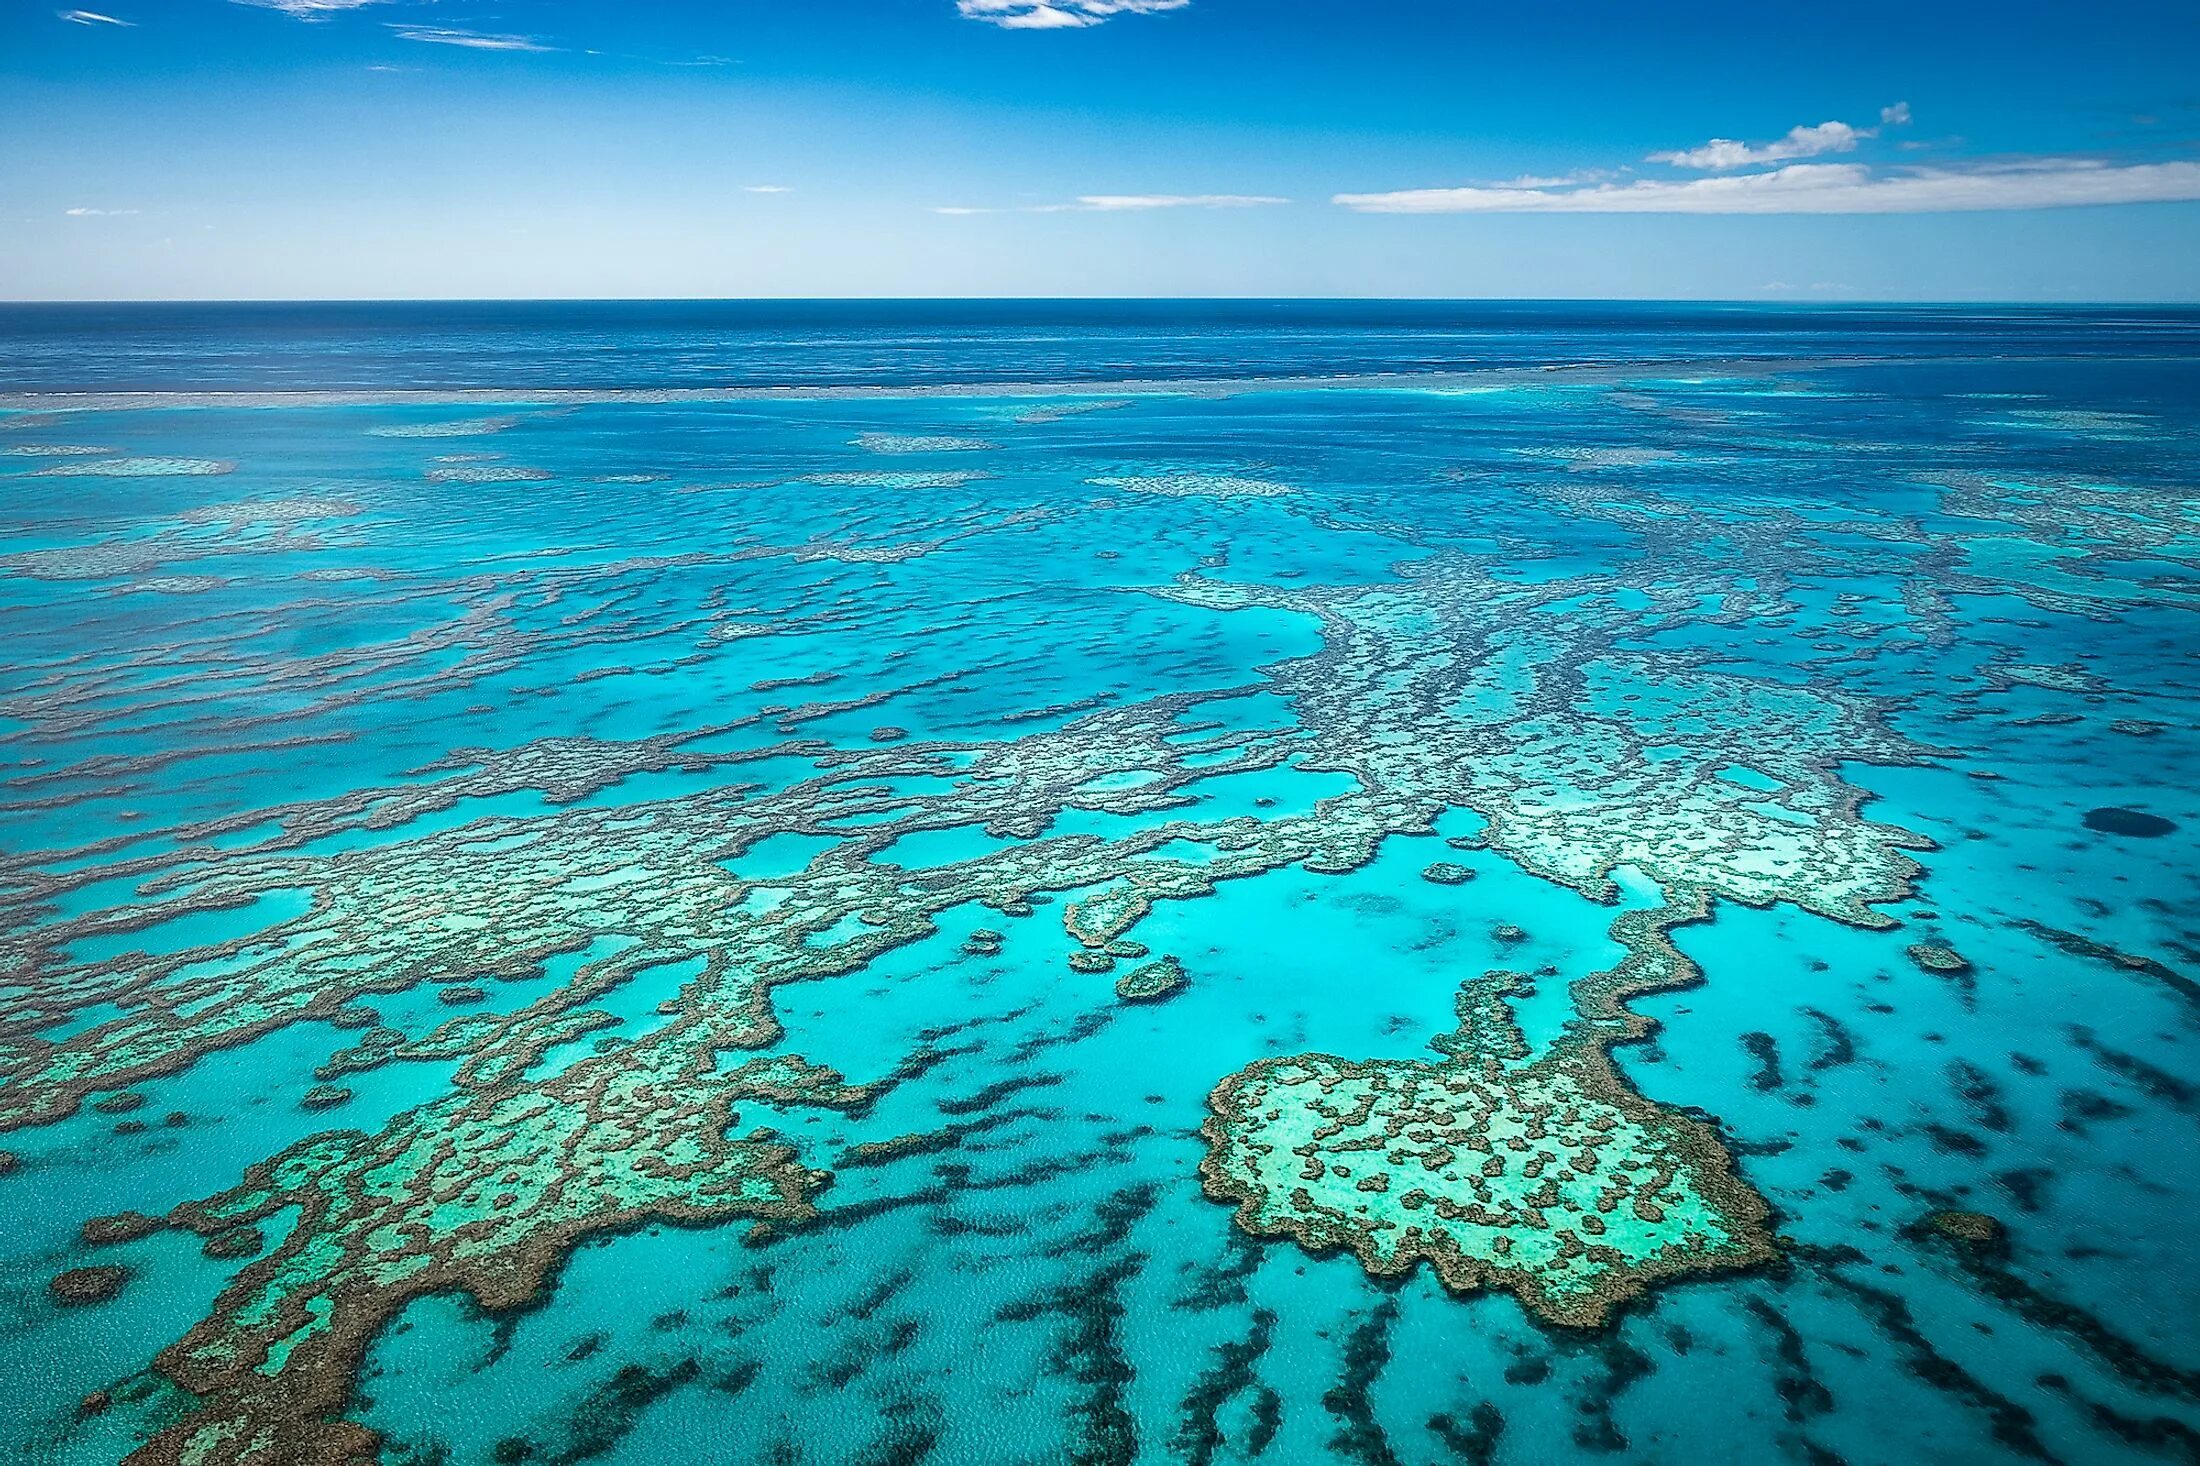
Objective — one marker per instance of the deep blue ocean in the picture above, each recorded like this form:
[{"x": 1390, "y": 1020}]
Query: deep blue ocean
[
  {"x": 421, "y": 346},
  {"x": 942, "y": 882}
]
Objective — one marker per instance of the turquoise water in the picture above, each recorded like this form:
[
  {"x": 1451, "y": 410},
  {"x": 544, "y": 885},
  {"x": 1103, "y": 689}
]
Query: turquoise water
[{"x": 598, "y": 920}]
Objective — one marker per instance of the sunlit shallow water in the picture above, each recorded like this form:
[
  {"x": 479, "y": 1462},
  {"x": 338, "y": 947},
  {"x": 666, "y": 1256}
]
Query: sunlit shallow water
[{"x": 1644, "y": 911}]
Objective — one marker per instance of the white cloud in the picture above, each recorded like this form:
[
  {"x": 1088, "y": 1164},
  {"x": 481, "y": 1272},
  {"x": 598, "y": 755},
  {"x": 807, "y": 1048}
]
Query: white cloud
[
  {"x": 92, "y": 17},
  {"x": 1115, "y": 203},
  {"x": 1111, "y": 202},
  {"x": 1823, "y": 188},
  {"x": 309, "y": 9},
  {"x": 1054, "y": 15},
  {"x": 766, "y": 188},
  {"x": 99, "y": 213},
  {"x": 1556, "y": 180},
  {"x": 1800, "y": 142},
  {"x": 437, "y": 35}
]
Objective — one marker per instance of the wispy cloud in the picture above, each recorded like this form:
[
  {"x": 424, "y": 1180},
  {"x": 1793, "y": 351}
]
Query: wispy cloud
[
  {"x": 1824, "y": 188},
  {"x": 1112, "y": 203},
  {"x": 1055, "y": 15},
  {"x": 1555, "y": 180},
  {"x": 1800, "y": 142},
  {"x": 309, "y": 9},
  {"x": 99, "y": 213},
  {"x": 92, "y": 17},
  {"x": 766, "y": 188},
  {"x": 439, "y": 35}
]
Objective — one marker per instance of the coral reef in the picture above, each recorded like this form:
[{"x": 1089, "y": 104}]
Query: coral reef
[
  {"x": 1550, "y": 1177},
  {"x": 581, "y": 938},
  {"x": 1152, "y": 982}
]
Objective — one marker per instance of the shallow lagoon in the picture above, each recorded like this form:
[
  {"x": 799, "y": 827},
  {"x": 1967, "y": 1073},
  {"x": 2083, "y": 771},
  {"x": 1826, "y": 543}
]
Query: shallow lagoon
[{"x": 615, "y": 957}]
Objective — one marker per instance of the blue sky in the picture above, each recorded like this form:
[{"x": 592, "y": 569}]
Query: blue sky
[{"x": 443, "y": 148}]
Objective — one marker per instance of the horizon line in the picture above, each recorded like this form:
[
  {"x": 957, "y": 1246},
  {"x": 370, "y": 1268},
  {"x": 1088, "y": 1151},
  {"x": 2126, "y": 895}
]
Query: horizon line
[{"x": 1783, "y": 302}]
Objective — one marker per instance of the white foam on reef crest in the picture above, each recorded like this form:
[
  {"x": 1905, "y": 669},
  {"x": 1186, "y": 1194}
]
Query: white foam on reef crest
[
  {"x": 1590, "y": 460},
  {"x": 172, "y": 585},
  {"x": 1197, "y": 485},
  {"x": 271, "y": 511},
  {"x": 906, "y": 443},
  {"x": 471, "y": 427},
  {"x": 52, "y": 450},
  {"x": 48, "y": 405},
  {"x": 887, "y": 479},
  {"x": 137, "y": 468},
  {"x": 2116, "y": 427},
  {"x": 1056, "y": 411},
  {"x": 488, "y": 474}
]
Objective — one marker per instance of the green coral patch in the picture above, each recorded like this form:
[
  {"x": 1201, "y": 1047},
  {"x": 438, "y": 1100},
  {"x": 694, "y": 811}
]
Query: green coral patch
[
  {"x": 1547, "y": 1179},
  {"x": 1152, "y": 982}
]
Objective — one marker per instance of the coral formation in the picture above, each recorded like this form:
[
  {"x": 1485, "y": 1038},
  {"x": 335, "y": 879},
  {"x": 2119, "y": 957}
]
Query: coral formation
[
  {"x": 1550, "y": 1176},
  {"x": 85, "y": 1285},
  {"x": 1152, "y": 982},
  {"x": 583, "y": 938}
]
